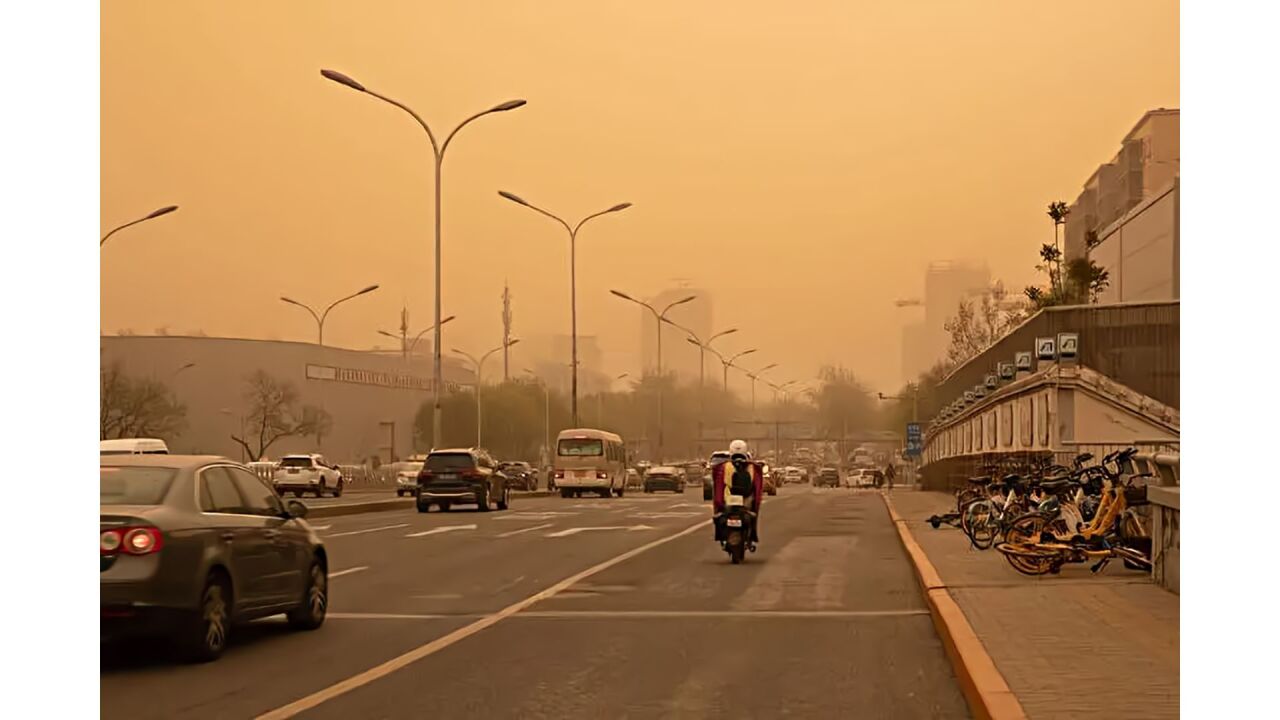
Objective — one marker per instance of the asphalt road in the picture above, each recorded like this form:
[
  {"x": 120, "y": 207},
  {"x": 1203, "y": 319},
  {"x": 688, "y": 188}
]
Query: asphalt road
[{"x": 591, "y": 608}]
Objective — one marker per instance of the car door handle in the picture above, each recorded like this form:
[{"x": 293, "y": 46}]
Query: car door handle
[{"x": 228, "y": 536}]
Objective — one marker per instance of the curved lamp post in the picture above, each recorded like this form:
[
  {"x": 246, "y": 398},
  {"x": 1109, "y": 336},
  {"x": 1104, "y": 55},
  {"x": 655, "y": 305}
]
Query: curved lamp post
[
  {"x": 155, "y": 214},
  {"x": 659, "y": 317},
  {"x": 320, "y": 318},
  {"x": 573, "y": 283},
  {"x": 438, "y": 150},
  {"x": 479, "y": 366}
]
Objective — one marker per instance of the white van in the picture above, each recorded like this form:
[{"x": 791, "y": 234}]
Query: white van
[
  {"x": 133, "y": 446},
  {"x": 589, "y": 460}
]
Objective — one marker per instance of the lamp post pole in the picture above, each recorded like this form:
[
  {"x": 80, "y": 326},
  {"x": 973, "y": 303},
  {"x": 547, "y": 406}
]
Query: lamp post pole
[
  {"x": 573, "y": 283},
  {"x": 438, "y": 151},
  {"x": 320, "y": 318},
  {"x": 659, "y": 318},
  {"x": 479, "y": 366},
  {"x": 154, "y": 214}
]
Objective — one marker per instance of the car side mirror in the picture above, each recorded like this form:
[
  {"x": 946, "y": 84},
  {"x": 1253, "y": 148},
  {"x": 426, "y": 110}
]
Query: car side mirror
[{"x": 296, "y": 509}]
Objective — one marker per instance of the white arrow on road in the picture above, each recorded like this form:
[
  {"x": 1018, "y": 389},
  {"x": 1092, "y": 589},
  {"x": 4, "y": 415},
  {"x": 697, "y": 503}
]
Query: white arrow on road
[
  {"x": 442, "y": 529},
  {"x": 575, "y": 531}
]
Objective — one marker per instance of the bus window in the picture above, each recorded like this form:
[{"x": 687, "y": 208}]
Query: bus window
[{"x": 581, "y": 447}]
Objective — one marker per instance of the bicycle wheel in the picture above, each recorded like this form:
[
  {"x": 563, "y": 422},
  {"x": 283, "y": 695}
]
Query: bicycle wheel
[
  {"x": 1024, "y": 531},
  {"x": 976, "y": 523},
  {"x": 1133, "y": 559},
  {"x": 1028, "y": 559}
]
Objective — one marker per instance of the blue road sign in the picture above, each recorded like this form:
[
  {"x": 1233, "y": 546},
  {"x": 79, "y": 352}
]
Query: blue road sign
[{"x": 915, "y": 440}]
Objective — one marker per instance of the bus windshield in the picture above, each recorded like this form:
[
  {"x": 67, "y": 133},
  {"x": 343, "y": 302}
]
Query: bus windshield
[{"x": 581, "y": 447}]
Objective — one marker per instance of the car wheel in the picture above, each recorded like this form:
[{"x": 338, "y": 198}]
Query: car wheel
[
  {"x": 310, "y": 613},
  {"x": 444, "y": 507},
  {"x": 320, "y": 490},
  {"x": 505, "y": 501},
  {"x": 424, "y": 506},
  {"x": 482, "y": 500},
  {"x": 564, "y": 494},
  {"x": 337, "y": 492},
  {"x": 206, "y": 636}
]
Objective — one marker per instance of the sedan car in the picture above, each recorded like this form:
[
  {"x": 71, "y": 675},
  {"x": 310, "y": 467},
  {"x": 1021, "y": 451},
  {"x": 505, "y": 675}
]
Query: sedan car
[
  {"x": 663, "y": 477},
  {"x": 191, "y": 545},
  {"x": 407, "y": 478},
  {"x": 827, "y": 477},
  {"x": 307, "y": 473},
  {"x": 521, "y": 475}
]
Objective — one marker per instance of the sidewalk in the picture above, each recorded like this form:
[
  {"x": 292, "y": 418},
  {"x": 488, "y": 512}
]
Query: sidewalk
[{"x": 1070, "y": 645}]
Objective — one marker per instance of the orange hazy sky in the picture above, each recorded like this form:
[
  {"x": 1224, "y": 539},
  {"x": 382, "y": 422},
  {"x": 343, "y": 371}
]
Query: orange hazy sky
[{"x": 801, "y": 161}]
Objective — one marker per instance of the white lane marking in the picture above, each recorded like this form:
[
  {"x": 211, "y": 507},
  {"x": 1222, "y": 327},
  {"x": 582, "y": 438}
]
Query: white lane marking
[
  {"x": 658, "y": 515},
  {"x": 367, "y": 530},
  {"x": 396, "y": 616},
  {"x": 442, "y": 529},
  {"x": 374, "y": 673},
  {"x": 570, "y": 614},
  {"x": 697, "y": 505},
  {"x": 348, "y": 571},
  {"x": 549, "y": 515},
  {"x": 321, "y": 527},
  {"x": 575, "y": 531},
  {"x": 524, "y": 530}
]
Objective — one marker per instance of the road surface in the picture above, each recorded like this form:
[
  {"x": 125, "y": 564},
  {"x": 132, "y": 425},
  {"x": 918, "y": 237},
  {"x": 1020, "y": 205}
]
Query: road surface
[{"x": 444, "y": 611}]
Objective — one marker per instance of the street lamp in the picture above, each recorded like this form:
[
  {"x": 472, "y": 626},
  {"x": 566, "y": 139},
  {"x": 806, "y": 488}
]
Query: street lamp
[
  {"x": 756, "y": 376},
  {"x": 546, "y": 390},
  {"x": 729, "y": 363},
  {"x": 155, "y": 214},
  {"x": 479, "y": 366},
  {"x": 573, "y": 283},
  {"x": 407, "y": 346},
  {"x": 438, "y": 150},
  {"x": 659, "y": 318},
  {"x": 321, "y": 318}
]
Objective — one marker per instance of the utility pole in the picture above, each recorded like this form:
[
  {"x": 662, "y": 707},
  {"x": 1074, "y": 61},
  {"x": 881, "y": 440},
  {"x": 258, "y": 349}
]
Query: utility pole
[
  {"x": 506, "y": 332},
  {"x": 404, "y": 334}
]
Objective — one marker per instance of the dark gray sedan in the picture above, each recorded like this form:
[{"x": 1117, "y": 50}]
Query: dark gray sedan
[{"x": 191, "y": 545}]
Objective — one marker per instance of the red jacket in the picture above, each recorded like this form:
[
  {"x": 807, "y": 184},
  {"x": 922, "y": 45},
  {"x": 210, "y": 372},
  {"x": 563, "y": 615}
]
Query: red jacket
[{"x": 720, "y": 479}]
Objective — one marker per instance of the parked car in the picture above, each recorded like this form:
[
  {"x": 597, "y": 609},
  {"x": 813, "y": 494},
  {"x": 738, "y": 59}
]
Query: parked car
[
  {"x": 462, "y": 476},
  {"x": 192, "y": 545},
  {"x": 520, "y": 474},
  {"x": 827, "y": 477},
  {"x": 407, "y": 477},
  {"x": 307, "y": 473},
  {"x": 860, "y": 477},
  {"x": 663, "y": 477}
]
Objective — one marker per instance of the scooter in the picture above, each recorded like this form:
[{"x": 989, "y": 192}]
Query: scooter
[{"x": 735, "y": 529}]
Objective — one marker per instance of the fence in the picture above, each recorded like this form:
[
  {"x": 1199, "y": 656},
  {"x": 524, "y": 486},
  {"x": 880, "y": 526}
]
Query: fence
[{"x": 352, "y": 475}]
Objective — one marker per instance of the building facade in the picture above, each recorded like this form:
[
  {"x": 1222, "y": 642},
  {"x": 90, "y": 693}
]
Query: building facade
[
  {"x": 946, "y": 283},
  {"x": 372, "y": 397}
]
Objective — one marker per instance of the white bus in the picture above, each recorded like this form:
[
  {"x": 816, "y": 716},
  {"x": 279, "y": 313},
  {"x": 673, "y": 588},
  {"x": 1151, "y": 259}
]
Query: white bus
[{"x": 590, "y": 461}]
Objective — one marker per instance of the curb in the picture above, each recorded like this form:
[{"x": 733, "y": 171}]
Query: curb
[
  {"x": 372, "y": 506},
  {"x": 984, "y": 688}
]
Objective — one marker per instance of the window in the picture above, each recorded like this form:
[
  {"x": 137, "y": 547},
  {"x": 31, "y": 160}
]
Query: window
[
  {"x": 298, "y": 462},
  {"x": 218, "y": 492},
  {"x": 581, "y": 447},
  {"x": 450, "y": 461},
  {"x": 258, "y": 498},
  {"x": 134, "y": 485}
]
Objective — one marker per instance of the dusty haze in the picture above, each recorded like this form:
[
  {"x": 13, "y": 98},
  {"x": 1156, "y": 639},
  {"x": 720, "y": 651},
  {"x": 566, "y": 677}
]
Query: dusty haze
[{"x": 803, "y": 162}]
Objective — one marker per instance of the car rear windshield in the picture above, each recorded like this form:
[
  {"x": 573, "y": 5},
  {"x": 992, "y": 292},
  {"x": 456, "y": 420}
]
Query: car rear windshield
[
  {"x": 450, "y": 461},
  {"x": 135, "y": 485},
  {"x": 296, "y": 462},
  {"x": 581, "y": 447}
]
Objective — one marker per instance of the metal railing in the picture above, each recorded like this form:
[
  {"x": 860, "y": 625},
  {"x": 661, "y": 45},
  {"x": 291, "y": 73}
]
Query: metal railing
[{"x": 1162, "y": 465}]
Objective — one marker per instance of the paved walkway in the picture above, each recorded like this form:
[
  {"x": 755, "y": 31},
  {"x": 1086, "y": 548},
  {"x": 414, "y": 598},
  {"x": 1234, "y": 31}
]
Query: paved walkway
[{"x": 1069, "y": 646}]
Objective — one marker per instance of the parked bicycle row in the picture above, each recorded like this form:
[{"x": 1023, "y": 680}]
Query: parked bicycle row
[{"x": 1046, "y": 515}]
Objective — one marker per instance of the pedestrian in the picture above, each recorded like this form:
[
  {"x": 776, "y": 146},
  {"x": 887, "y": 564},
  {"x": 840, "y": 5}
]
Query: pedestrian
[{"x": 889, "y": 473}]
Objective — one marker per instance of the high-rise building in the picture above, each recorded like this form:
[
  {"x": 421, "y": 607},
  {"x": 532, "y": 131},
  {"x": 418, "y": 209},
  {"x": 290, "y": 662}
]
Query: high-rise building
[
  {"x": 945, "y": 284},
  {"x": 678, "y": 357}
]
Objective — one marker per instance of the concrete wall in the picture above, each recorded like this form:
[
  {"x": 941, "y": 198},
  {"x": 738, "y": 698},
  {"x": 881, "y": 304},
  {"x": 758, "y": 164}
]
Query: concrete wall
[
  {"x": 368, "y": 419},
  {"x": 1141, "y": 250}
]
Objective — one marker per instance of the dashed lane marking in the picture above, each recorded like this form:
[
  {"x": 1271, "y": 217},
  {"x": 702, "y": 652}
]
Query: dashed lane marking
[
  {"x": 441, "y": 529},
  {"x": 348, "y": 571},
  {"x": 524, "y": 530},
  {"x": 366, "y": 530}
]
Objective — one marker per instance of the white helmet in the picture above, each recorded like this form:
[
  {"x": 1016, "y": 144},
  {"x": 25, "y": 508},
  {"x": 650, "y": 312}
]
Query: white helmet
[{"x": 738, "y": 447}]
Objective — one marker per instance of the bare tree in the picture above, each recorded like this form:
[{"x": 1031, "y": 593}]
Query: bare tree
[
  {"x": 137, "y": 407},
  {"x": 275, "y": 413},
  {"x": 978, "y": 325}
]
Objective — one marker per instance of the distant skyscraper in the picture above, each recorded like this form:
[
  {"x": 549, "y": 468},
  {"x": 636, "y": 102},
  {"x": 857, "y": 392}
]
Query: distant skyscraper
[
  {"x": 678, "y": 357},
  {"x": 945, "y": 285}
]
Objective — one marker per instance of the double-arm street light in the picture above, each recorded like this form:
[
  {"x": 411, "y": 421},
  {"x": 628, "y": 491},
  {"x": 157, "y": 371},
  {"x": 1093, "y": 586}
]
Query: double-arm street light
[
  {"x": 320, "y": 318},
  {"x": 600, "y": 400},
  {"x": 915, "y": 401},
  {"x": 407, "y": 345},
  {"x": 478, "y": 364},
  {"x": 573, "y": 284},
  {"x": 438, "y": 150},
  {"x": 728, "y": 363},
  {"x": 754, "y": 377},
  {"x": 155, "y": 214},
  {"x": 659, "y": 318}
]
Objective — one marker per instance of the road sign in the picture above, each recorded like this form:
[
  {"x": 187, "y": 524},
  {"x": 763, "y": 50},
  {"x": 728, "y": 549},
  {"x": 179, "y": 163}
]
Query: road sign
[
  {"x": 1006, "y": 371},
  {"x": 915, "y": 440},
  {"x": 1068, "y": 345},
  {"x": 1046, "y": 348},
  {"x": 991, "y": 382},
  {"x": 1022, "y": 361}
]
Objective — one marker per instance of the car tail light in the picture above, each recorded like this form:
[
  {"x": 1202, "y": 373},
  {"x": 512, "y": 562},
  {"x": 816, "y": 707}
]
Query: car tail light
[
  {"x": 130, "y": 540},
  {"x": 602, "y": 475},
  {"x": 559, "y": 474}
]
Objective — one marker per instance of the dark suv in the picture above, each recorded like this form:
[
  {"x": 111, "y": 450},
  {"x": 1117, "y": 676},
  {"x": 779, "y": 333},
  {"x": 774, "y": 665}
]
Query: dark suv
[
  {"x": 462, "y": 476},
  {"x": 520, "y": 475}
]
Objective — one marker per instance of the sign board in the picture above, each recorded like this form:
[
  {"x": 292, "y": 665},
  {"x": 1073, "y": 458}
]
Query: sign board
[
  {"x": 1046, "y": 348},
  {"x": 358, "y": 376},
  {"x": 1068, "y": 345},
  {"x": 991, "y": 382},
  {"x": 1006, "y": 370},
  {"x": 915, "y": 440},
  {"x": 1022, "y": 361}
]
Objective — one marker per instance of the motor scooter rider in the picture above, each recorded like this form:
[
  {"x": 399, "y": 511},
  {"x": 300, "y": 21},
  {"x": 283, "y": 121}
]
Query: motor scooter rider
[{"x": 741, "y": 477}]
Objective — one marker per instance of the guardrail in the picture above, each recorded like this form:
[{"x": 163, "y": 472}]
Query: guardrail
[
  {"x": 352, "y": 475},
  {"x": 1162, "y": 465}
]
